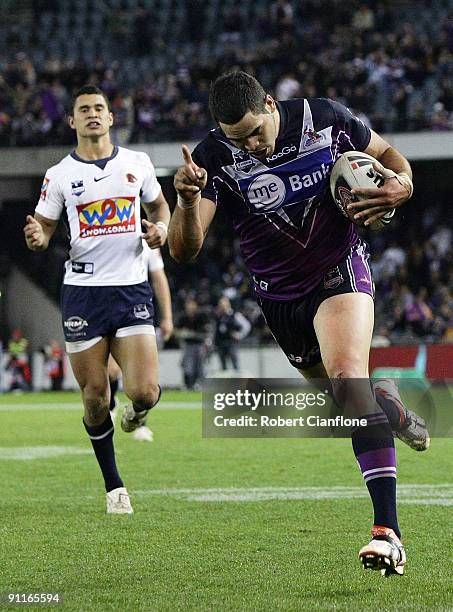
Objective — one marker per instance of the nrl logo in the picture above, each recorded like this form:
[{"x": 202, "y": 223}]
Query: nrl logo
[
  {"x": 77, "y": 187},
  {"x": 242, "y": 161}
]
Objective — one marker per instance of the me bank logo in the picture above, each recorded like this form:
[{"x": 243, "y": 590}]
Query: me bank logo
[
  {"x": 266, "y": 192},
  {"x": 107, "y": 217}
]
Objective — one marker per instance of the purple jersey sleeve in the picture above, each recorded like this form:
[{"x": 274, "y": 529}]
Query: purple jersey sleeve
[{"x": 354, "y": 133}]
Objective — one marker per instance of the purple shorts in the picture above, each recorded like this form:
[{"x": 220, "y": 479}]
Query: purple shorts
[{"x": 291, "y": 322}]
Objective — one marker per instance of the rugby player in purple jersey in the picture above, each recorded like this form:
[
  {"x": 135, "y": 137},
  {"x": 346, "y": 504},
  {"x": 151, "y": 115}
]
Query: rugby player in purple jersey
[{"x": 268, "y": 165}]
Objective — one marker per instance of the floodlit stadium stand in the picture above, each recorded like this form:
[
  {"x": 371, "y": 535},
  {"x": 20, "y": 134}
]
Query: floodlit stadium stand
[{"x": 391, "y": 62}]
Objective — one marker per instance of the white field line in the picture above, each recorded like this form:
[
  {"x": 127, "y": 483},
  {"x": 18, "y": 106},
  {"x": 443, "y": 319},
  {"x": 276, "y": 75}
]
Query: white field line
[
  {"x": 414, "y": 494},
  {"x": 41, "y": 452},
  {"x": 441, "y": 495},
  {"x": 78, "y": 406}
]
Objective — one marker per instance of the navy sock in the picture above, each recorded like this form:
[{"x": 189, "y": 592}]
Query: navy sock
[
  {"x": 113, "y": 390},
  {"x": 101, "y": 437},
  {"x": 374, "y": 448},
  {"x": 383, "y": 495},
  {"x": 140, "y": 409}
]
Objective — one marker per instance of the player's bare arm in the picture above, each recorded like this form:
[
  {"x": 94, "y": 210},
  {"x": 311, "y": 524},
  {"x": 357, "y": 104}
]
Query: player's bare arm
[
  {"x": 38, "y": 231},
  {"x": 193, "y": 214},
  {"x": 155, "y": 228},
  {"x": 398, "y": 182},
  {"x": 162, "y": 292}
]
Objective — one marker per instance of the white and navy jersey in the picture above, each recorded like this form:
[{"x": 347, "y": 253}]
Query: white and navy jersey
[
  {"x": 291, "y": 233},
  {"x": 102, "y": 202}
]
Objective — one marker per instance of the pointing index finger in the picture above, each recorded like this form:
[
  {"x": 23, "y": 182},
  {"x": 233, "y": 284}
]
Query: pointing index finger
[
  {"x": 188, "y": 157},
  {"x": 191, "y": 168}
]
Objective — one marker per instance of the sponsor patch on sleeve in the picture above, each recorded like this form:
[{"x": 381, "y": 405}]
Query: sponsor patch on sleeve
[{"x": 44, "y": 188}]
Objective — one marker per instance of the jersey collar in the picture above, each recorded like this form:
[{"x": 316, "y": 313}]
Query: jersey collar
[
  {"x": 283, "y": 112},
  {"x": 100, "y": 163}
]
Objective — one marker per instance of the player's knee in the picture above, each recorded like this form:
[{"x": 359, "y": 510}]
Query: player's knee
[
  {"x": 94, "y": 390},
  {"x": 96, "y": 410},
  {"x": 145, "y": 396},
  {"x": 346, "y": 366},
  {"x": 95, "y": 402}
]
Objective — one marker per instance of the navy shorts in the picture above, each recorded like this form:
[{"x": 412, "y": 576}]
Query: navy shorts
[
  {"x": 291, "y": 322},
  {"x": 89, "y": 312}
]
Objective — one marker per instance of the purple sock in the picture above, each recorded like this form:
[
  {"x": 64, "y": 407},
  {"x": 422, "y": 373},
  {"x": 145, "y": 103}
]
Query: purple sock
[{"x": 374, "y": 449}]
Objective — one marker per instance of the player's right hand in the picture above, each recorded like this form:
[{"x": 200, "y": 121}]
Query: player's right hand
[
  {"x": 34, "y": 234},
  {"x": 190, "y": 179}
]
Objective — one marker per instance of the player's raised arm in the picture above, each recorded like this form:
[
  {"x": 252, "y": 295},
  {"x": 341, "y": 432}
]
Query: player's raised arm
[
  {"x": 193, "y": 214},
  {"x": 38, "y": 231}
]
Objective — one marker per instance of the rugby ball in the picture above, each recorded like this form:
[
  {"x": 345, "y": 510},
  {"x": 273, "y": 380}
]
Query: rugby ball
[{"x": 355, "y": 169}]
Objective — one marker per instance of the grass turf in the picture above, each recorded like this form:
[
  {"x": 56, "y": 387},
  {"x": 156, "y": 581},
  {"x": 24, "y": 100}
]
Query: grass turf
[{"x": 177, "y": 554}]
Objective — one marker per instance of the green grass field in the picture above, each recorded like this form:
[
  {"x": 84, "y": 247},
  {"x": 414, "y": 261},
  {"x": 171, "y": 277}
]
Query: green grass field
[{"x": 219, "y": 524}]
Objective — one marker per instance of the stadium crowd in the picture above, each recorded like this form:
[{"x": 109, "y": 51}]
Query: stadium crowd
[
  {"x": 414, "y": 289},
  {"x": 391, "y": 62}
]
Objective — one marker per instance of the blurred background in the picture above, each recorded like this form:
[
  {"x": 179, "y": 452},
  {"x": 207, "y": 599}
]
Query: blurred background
[{"x": 390, "y": 62}]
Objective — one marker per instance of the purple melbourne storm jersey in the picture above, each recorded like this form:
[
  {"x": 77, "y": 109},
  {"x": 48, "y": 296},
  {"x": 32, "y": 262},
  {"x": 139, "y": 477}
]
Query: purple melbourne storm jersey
[{"x": 291, "y": 232}]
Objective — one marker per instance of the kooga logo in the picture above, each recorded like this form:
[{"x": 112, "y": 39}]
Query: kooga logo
[{"x": 284, "y": 151}]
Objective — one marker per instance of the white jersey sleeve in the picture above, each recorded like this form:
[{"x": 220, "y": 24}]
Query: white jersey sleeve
[
  {"x": 150, "y": 188},
  {"x": 51, "y": 201}
]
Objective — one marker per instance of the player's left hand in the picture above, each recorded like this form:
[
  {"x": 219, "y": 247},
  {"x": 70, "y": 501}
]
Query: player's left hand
[
  {"x": 395, "y": 191},
  {"x": 166, "y": 328},
  {"x": 154, "y": 235}
]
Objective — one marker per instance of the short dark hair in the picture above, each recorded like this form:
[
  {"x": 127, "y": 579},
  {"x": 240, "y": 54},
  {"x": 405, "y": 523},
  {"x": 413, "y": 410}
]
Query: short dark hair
[
  {"x": 87, "y": 90},
  {"x": 234, "y": 94}
]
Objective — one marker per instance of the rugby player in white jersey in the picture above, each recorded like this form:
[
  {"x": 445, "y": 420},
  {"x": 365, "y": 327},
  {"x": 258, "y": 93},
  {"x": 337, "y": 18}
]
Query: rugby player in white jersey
[
  {"x": 106, "y": 299},
  {"x": 161, "y": 291}
]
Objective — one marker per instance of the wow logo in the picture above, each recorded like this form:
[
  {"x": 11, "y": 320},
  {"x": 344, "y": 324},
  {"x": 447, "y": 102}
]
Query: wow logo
[{"x": 107, "y": 217}]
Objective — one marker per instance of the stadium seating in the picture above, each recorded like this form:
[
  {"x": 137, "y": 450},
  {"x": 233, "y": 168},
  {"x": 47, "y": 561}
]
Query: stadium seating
[{"x": 399, "y": 67}]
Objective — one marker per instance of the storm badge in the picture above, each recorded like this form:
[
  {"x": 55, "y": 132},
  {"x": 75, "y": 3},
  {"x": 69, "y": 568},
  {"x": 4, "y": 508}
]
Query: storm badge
[{"x": 333, "y": 278}]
